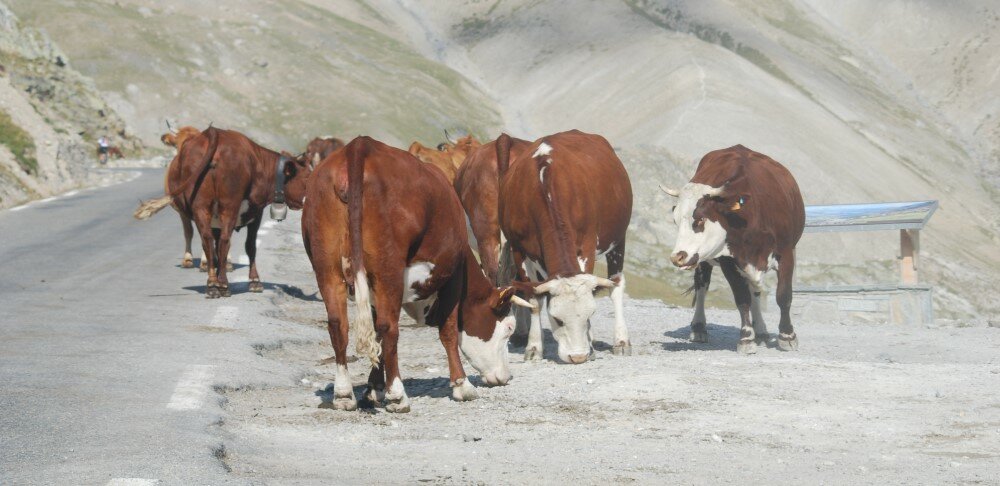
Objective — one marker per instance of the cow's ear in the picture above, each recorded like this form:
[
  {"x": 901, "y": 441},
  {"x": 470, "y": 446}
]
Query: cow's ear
[
  {"x": 738, "y": 202},
  {"x": 525, "y": 288}
]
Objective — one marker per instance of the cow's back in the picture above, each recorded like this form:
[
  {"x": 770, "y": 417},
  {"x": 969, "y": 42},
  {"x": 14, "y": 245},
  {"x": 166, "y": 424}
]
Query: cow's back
[
  {"x": 776, "y": 203},
  {"x": 590, "y": 188}
]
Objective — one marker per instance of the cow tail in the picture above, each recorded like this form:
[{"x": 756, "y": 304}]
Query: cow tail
[
  {"x": 150, "y": 207},
  {"x": 364, "y": 326},
  {"x": 503, "y": 154}
]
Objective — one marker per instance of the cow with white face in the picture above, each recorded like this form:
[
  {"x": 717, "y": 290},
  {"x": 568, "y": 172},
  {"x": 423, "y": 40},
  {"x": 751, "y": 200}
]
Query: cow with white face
[
  {"x": 564, "y": 201},
  {"x": 743, "y": 212}
]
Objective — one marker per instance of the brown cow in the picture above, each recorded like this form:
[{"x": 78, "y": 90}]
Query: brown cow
[
  {"x": 378, "y": 221},
  {"x": 478, "y": 184},
  {"x": 321, "y": 147},
  {"x": 565, "y": 201},
  {"x": 223, "y": 180},
  {"x": 448, "y": 157},
  {"x": 176, "y": 140},
  {"x": 743, "y": 212}
]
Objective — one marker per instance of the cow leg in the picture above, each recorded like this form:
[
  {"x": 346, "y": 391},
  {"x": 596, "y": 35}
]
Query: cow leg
[
  {"x": 334, "y": 293},
  {"x": 228, "y": 218},
  {"x": 251, "y": 249},
  {"x": 522, "y": 316},
  {"x": 702, "y": 280},
  {"x": 759, "y": 326},
  {"x": 387, "y": 303},
  {"x": 616, "y": 263},
  {"x": 741, "y": 293},
  {"x": 787, "y": 340},
  {"x": 461, "y": 389},
  {"x": 535, "y": 347},
  {"x": 188, "y": 260},
  {"x": 203, "y": 219}
]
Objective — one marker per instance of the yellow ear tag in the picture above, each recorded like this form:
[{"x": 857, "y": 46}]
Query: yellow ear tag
[{"x": 737, "y": 205}]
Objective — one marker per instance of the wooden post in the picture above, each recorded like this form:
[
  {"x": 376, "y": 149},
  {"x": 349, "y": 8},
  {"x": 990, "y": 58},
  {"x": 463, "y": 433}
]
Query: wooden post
[{"x": 909, "y": 248}]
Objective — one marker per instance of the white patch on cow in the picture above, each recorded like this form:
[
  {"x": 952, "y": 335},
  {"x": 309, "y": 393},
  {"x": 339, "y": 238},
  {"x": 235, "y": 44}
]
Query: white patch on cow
[
  {"x": 708, "y": 244},
  {"x": 605, "y": 252},
  {"x": 417, "y": 273},
  {"x": 772, "y": 262},
  {"x": 342, "y": 386},
  {"x": 699, "y": 305},
  {"x": 397, "y": 395},
  {"x": 543, "y": 149},
  {"x": 489, "y": 358},
  {"x": 759, "y": 327},
  {"x": 571, "y": 305},
  {"x": 754, "y": 276},
  {"x": 583, "y": 263},
  {"x": 244, "y": 209},
  {"x": 419, "y": 310},
  {"x": 541, "y": 174},
  {"x": 534, "y": 270}
]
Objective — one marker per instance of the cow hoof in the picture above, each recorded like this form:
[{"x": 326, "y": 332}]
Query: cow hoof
[
  {"x": 348, "y": 404},
  {"x": 698, "y": 337},
  {"x": 532, "y": 354},
  {"x": 224, "y": 291},
  {"x": 203, "y": 266},
  {"x": 212, "y": 291},
  {"x": 464, "y": 391},
  {"x": 187, "y": 263},
  {"x": 229, "y": 266},
  {"x": 372, "y": 398},
  {"x": 622, "y": 349},
  {"x": 746, "y": 346},
  {"x": 788, "y": 343},
  {"x": 256, "y": 286},
  {"x": 400, "y": 406},
  {"x": 762, "y": 338}
]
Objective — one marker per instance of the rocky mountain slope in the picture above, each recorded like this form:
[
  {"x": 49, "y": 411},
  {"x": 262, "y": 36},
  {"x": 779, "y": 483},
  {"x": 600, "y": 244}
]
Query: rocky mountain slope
[
  {"x": 862, "y": 102},
  {"x": 50, "y": 117}
]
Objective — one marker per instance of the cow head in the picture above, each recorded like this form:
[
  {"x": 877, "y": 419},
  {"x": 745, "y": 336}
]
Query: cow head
[
  {"x": 487, "y": 353},
  {"x": 571, "y": 303},
  {"x": 296, "y": 170},
  {"x": 319, "y": 148},
  {"x": 177, "y": 138},
  {"x": 705, "y": 216}
]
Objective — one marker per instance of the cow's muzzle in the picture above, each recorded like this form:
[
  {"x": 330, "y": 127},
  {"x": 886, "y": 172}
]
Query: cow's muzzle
[{"x": 680, "y": 259}]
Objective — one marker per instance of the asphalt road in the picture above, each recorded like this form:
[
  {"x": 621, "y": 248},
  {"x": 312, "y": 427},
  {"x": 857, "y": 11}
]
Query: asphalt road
[{"x": 108, "y": 349}]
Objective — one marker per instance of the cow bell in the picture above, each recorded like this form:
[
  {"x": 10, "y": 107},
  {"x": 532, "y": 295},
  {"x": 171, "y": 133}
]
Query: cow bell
[{"x": 279, "y": 211}]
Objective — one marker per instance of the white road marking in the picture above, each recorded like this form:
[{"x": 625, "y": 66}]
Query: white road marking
[
  {"x": 225, "y": 315},
  {"x": 191, "y": 388},
  {"x": 133, "y": 482}
]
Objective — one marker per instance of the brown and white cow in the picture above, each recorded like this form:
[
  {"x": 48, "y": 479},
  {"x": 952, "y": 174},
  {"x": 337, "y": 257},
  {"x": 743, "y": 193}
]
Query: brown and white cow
[
  {"x": 381, "y": 223},
  {"x": 478, "y": 185},
  {"x": 743, "y": 212},
  {"x": 565, "y": 201},
  {"x": 448, "y": 156},
  {"x": 222, "y": 180}
]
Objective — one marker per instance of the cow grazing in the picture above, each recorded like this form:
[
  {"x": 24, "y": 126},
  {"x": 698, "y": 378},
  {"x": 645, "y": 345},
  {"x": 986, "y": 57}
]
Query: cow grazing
[
  {"x": 566, "y": 200},
  {"x": 743, "y": 212},
  {"x": 448, "y": 156},
  {"x": 381, "y": 223},
  {"x": 222, "y": 180},
  {"x": 478, "y": 185},
  {"x": 176, "y": 140}
]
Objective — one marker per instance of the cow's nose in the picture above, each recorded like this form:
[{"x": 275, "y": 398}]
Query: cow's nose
[
  {"x": 578, "y": 358},
  {"x": 679, "y": 258}
]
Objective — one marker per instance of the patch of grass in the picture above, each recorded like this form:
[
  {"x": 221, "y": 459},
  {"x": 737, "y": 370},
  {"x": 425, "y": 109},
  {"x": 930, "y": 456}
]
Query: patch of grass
[{"x": 19, "y": 142}]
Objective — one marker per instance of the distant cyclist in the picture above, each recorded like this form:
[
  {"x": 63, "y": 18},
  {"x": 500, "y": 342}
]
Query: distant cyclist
[{"x": 103, "y": 146}]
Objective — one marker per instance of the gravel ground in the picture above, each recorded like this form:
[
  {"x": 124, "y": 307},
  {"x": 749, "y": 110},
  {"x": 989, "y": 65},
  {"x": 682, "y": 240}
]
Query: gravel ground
[{"x": 858, "y": 404}]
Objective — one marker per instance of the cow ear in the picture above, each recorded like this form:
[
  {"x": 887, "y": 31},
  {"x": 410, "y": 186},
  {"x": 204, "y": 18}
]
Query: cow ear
[{"x": 289, "y": 169}]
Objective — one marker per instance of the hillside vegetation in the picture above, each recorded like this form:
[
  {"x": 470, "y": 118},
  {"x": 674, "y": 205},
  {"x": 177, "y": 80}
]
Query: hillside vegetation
[{"x": 863, "y": 101}]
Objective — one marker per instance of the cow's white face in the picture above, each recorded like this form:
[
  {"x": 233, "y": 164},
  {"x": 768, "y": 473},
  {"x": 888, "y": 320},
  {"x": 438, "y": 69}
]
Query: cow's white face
[
  {"x": 571, "y": 304},
  {"x": 698, "y": 238},
  {"x": 489, "y": 358}
]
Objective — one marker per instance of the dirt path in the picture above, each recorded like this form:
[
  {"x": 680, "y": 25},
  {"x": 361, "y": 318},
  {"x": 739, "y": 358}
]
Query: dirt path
[{"x": 858, "y": 404}]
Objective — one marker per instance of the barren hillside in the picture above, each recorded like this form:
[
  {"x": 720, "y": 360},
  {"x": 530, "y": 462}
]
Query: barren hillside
[{"x": 863, "y": 102}]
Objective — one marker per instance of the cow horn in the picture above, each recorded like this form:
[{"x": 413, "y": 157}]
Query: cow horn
[
  {"x": 170, "y": 128},
  {"x": 448, "y": 137},
  {"x": 604, "y": 282},
  {"x": 715, "y": 191},
  {"x": 545, "y": 287},
  {"x": 521, "y": 302},
  {"x": 671, "y": 192}
]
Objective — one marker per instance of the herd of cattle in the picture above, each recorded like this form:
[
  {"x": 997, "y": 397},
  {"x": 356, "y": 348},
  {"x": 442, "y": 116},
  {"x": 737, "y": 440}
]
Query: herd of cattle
[{"x": 389, "y": 228}]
